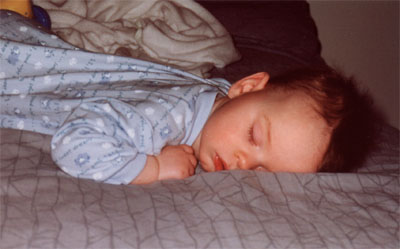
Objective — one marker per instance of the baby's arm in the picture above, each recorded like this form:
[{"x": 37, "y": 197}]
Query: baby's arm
[
  {"x": 174, "y": 162},
  {"x": 96, "y": 142}
]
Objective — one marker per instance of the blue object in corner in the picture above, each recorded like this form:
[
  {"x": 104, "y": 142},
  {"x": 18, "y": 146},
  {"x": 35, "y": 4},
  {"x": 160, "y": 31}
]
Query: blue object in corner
[{"x": 41, "y": 16}]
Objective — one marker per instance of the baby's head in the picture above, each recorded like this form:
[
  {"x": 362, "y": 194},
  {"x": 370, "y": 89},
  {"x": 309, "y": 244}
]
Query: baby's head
[{"x": 303, "y": 121}]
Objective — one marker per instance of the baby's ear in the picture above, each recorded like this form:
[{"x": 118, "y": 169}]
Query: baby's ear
[{"x": 250, "y": 83}]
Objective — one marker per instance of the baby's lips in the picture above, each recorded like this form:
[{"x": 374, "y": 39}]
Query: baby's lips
[{"x": 218, "y": 164}]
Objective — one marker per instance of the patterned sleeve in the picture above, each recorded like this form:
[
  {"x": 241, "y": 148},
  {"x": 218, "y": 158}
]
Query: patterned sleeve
[{"x": 97, "y": 142}]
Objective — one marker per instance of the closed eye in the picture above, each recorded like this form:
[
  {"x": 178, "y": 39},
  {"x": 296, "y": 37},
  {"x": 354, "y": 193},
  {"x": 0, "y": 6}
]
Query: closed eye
[{"x": 251, "y": 135}]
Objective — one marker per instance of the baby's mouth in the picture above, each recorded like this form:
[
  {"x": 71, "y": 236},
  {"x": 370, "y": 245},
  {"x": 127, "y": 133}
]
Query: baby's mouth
[{"x": 219, "y": 164}]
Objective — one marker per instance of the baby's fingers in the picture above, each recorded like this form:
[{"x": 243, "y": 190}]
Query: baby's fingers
[
  {"x": 193, "y": 160},
  {"x": 191, "y": 171},
  {"x": 187, "y": 148}
]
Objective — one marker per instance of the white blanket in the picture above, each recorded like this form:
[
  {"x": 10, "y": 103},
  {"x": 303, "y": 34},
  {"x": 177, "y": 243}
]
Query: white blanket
[{"x": 177, "y": 32}]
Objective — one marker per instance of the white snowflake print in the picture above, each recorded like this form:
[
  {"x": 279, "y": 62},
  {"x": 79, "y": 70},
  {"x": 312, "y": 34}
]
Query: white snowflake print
[
  {"x": 98, "y": 176},
  {"x": 107, "y": 108},
  {"x": 149, "y": 111},
  {"x": 73, "y": 61},
  {"x": 67, "y": 108},
  {"x": 106, "y": 145},
  {"x": 47, "y": 79},
  {"x": 131, "y": 133},
  {"x": 110, "y": 59},
  {"x": 66, "y": 140},
  {"x": 45, "y": 118},
  {"x": 178, "y": 118},
  {"x": 23, "y": 29},
  {"x": 99, "y": 122},
  {"x": 21, "y": 124},
  {"x": 38, "y": 65}
]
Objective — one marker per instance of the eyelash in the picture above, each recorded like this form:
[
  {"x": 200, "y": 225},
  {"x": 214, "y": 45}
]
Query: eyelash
[{"x": 251, "y": 136}]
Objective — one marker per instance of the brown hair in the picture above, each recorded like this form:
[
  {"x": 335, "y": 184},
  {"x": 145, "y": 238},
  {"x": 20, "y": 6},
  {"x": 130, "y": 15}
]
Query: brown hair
[{"x": 344, "y": 107}]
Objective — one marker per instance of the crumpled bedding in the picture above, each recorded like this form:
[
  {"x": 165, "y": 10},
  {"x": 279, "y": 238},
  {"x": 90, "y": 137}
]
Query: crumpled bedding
[
  {"x": 42, "y": 207},
  {"x": 177, "y": 32}
]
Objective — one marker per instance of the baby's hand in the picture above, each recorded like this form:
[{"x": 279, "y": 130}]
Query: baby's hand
[{"x": 176, "y": 162}]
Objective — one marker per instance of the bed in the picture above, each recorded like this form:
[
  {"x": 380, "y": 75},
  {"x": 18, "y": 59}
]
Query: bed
[{"x": 42, "y": 207}]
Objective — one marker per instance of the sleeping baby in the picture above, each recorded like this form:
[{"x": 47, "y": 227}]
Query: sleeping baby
[{"x": 127, "y": 121}]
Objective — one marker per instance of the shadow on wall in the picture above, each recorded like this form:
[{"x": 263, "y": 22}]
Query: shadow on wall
[{"x": 362, "y": 39}]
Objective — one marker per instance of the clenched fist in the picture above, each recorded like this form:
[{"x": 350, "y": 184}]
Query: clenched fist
[{"x": 174, "y": 162}]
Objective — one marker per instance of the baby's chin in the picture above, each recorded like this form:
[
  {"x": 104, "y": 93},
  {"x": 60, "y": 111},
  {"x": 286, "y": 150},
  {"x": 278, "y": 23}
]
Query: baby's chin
[{"x": 205, "y": 167}]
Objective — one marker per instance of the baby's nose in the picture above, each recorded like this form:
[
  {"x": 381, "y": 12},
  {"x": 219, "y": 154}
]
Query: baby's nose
[{"x": 242, "y": 160}]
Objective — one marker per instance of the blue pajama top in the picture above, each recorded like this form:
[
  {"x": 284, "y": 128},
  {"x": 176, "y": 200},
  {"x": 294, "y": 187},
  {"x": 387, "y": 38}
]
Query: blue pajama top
[{"x": 105, "y": 113}]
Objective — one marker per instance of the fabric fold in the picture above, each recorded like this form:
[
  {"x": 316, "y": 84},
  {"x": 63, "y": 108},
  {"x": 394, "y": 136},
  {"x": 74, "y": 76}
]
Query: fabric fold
[{"x": 179, "y": 33}]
